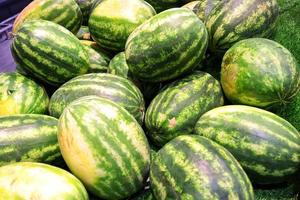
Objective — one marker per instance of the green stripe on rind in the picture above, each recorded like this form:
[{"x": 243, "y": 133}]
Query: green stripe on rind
[
  {"x": 28, "y": 137},
  {"x": 181, "y": 45},
  {"x": 193, "y": 167},
  {"x": 108, "y": 143},
  {"x": 231, "y": 21},
  {"x": 111, "y": 22},
  {"x": 20, "y": 95},
  {"x": 176, "y": 109},
  {"x": 274, "y": 82},
  {"x": 115, "y": 88},
  {"x": 29, "y": 180},
  {"x": 63, "y": 12},
  {"x": 49, "y": 52},
  {"x": 118, "y": 65},
  {"x": 267, "y": 146}
]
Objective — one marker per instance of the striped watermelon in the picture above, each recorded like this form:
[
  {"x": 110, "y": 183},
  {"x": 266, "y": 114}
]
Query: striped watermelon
[
  {"x": 118, "y": 66},
  {"x": 64, "y": 12},
  {"x": 193, "y": 167},
  {"x": 267, "y": 146},
  {"x": 259, "y": 72},
  {"x": 205, "y": 7},
  {"x": 49, "y": 52},
  {"x": 176, "y": 109},
  {"x": 28, "y": 137},
  {"x": 115, "y": 88},
  {"x": 234, "y": 20},
  {"x": 104, "y": 147},
  {"x": 161, "y": 49},
  {"x": 112, "y": 21},
  {"x": 98, "y": 62},
  {"x": 28, "y": 180},
  {"x": 193, "y": 5},
  {"x": 20, "y": 95}
]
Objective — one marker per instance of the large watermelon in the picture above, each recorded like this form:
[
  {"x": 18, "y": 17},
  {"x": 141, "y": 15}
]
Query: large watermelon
[
  {"x": 115, "y": 88},
  {"x": 20, "y": 95},
  {"x": 28, "y": 180},
  {"x": 28, "y": 137},
  {"x": 267, "y": 146},
  {"x": 49, "y": 52},
  {"x": 168, "y": 45},
  {"x": 234, "y": 20},
  {"x": 112, "y": 21},
  {"x": 104, "y": 146},
  {"x": 176, "y": 109},
  {"x": 259, "y": 72},
  {"x": 64, "y": 12},
  {"x": 193, "y": 167}
]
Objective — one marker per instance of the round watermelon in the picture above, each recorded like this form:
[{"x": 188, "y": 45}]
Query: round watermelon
[
  {"x": 259, "y": 72},
  {"x": 104, "y": 146}
]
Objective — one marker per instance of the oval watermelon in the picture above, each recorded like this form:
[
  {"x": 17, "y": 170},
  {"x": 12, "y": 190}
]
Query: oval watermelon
[
  {"x": 104, "y": 146},
  {"x": 28, "y": 137},
  {"x": 166, "y": 46},
  {"x": 49, "y": 52},
  {"x": 259, "y": 72},
  {"x": 112, "y": 21},
  {"x": 267, "y": 146},
  {"x": 234, "y": 20},
  {"x": 63, "y": 12},
  {"x": 115, "y": 88},
  {"x": 193, "y": 167},
  {"x": 28, "y": 180},
  {"x": 20, "y": 95},
  {"x": 176, "y": 109}
]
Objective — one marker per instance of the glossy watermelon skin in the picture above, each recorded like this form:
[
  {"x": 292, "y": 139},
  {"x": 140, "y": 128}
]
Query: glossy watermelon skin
[
  {"x": 234, "y": 20},
  {"x": 204, "y": 8},
  {"x": 98, "y": 62},
  {"x": 176, "y": 109},
  {"x": 267, "y": 146},
  {"x": 49, "y": 52},
  {"x": 181, "y": 45},
  {"x": 109, "y": 152},
  {"x": 28, "y": 180},
  {"x": 193, "y": 167},
  {"x": 274, "y": 82},
  {"x": 115, "y": 88},
  {"x": 112, "y": 21},
  {"x": 63, "y": 12},
  {"x": 21, "y": 95},
  {"x": 28, "y": 137}
]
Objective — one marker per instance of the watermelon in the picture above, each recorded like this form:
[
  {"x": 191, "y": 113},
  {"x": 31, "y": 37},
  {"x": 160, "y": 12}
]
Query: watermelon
[
  {"x": 112, "y": 21},
  {"x": 161, "y": 50},
  {"x": 21, "y": 95},
  {"x": 193, "y": 167},
  {"x": 98, "y": 62},
  {"x": 193, "y": 5},
  {"x": 205, "y": 7},
  {"x": 267, "y": 146},
  {"x": 84, "y": 33},
  {"x": 63, "y": 12},
  {"x": 29, "y": 180},
  {"x": 176, "y": 109},
  {"x": 49, "y": 52},
  {"x": 85, "y": 7},
  {"x": 115, "y": 88},
  {"x": 274, "y": 82},
  {"x": 28, "y": 137},
  {"x": 118, "y": 66},
  {"x": 104, "y": 146},
  {"x": 234, "y": 20}
]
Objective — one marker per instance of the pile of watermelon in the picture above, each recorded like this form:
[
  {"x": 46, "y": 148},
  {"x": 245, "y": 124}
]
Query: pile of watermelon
[{"x": 164, "y": 99}]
